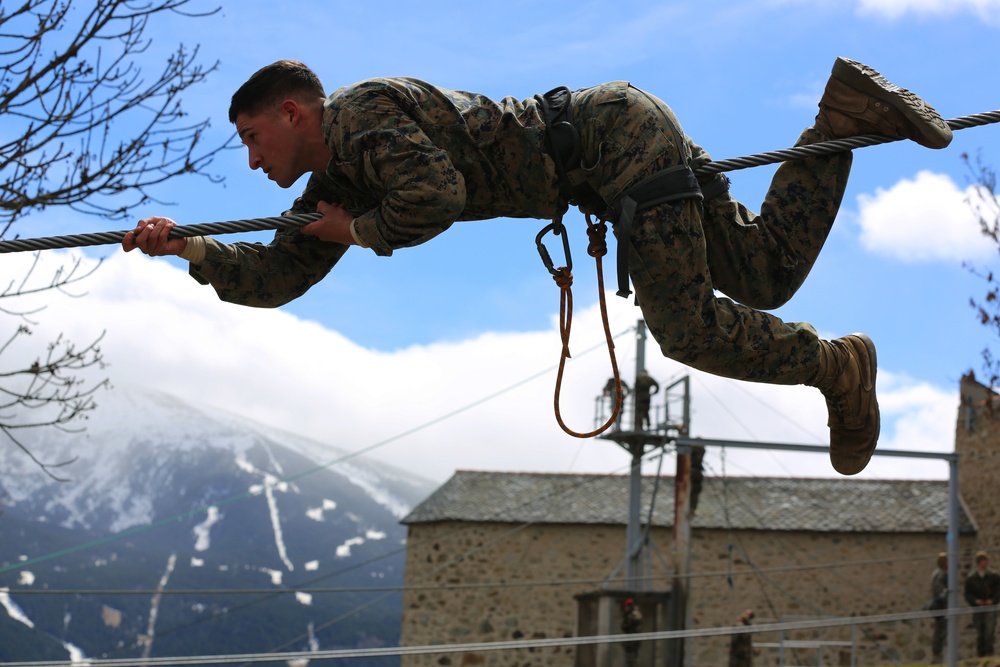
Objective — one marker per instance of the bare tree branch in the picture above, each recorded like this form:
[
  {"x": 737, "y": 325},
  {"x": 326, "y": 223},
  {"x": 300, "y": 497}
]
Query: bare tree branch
[
  {"x": 68, "y": 101},
  {"x": 985, "y": 205},
  {"x": 85, "y": 128}
]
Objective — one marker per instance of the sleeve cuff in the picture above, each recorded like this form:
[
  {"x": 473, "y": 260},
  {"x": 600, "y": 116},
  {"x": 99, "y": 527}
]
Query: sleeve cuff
[
  {"x": 354, "y": 234},
  {"x": 194, "y": 251}
]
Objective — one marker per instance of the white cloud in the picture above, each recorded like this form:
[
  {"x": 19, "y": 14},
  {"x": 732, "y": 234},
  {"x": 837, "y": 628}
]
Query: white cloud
[
  {"x": 923, "y": 419},
  {"x": 987, "y": 10},
  {"x": 483, "y": 403},
  {"x": 924, "y": 219}
]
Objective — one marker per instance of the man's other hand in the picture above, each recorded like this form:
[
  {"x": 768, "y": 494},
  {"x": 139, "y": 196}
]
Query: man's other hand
[{"x": 335, "y": 225}]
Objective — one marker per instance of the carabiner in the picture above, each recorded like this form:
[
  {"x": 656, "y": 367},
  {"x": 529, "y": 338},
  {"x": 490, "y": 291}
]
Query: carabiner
[{"x": 557, "y": 228}]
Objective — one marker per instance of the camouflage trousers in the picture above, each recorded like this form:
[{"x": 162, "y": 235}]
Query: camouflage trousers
[
  {"x": 939, "y": 636},
  {"x": 681, "y": 254}
]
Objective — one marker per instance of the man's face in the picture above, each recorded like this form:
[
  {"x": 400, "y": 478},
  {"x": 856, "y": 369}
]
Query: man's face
[
  {"x": 982, "y": 564},
  {"x": 272, "y": 144}
]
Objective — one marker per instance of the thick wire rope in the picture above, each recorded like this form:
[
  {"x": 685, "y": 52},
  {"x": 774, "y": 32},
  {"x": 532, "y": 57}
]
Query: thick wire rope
[
  {"x": 180, "y": 231},
  {"x": 298, "y": 220}
]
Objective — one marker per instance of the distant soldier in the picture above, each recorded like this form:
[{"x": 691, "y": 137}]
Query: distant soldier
[
  {"x": 982, "y": 589},
  {"x": 939, "y": 600},
  {"x": 609, "y": 390},
  {"x": 609, "y": 397},
  {"x": 645, "y": 387},
  {"x": 741, "y": 643},
  {"x": 631, "y": 620}
]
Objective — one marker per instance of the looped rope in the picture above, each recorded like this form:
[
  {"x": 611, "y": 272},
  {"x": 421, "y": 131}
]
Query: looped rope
[
  {"x": 597, "y": 248},
  {"x": 597, "y": 232}
]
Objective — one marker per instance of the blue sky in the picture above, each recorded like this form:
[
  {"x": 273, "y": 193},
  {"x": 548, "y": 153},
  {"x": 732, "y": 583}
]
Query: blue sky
[{"x": 400, "y": 339}]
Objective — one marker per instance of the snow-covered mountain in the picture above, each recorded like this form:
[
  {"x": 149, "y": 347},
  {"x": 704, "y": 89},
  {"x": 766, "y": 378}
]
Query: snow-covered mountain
[{"x": 171, "y": 513}]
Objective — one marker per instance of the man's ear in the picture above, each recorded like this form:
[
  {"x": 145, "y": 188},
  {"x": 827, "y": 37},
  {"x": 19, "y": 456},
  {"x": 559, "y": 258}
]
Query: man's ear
[{"x": 290, "y": 109}]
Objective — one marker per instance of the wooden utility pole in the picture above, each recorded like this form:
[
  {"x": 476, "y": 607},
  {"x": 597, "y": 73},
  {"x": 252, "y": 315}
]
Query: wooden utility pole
[{"x": 681, "y": 556}]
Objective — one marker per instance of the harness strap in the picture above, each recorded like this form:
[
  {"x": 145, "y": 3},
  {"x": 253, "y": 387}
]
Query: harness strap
[
  {"x": 665, "y": 186},
  {"x": 565, "y": 149}
]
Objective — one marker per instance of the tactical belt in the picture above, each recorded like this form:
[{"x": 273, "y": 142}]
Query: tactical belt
[{"x": 665, "y": 186}]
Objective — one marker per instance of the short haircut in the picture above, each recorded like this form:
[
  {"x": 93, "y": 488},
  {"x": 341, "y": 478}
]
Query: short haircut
[{"x": 274, "y": 83}]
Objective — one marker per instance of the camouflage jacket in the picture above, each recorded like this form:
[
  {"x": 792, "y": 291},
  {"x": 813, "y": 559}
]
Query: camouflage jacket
[{"x": 409, "y": 159}]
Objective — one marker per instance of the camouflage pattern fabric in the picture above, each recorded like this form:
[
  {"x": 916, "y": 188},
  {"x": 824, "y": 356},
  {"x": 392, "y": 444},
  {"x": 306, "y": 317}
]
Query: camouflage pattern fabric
[
  {"x": 939, "y": 600},
  {"x": 409, "y": 159}
]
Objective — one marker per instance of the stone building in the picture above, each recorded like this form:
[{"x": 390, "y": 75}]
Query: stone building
[
  {"x": 507, "y": 556},
  {"x": 977, "y": 442}
]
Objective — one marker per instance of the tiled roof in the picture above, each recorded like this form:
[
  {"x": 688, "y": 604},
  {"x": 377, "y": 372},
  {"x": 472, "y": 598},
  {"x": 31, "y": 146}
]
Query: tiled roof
[{"x": 750, "y": 503}]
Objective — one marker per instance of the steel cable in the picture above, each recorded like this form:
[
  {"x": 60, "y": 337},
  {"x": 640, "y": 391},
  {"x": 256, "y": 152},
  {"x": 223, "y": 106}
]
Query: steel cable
[
  {"x": 180, "y": 231},
  {"x": 298, "y": 220}
]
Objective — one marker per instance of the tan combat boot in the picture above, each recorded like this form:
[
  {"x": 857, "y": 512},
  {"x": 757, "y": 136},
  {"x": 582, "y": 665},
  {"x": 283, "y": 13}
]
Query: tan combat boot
[
  {"x": 847, "y": 379},
  {"x": 858, "y": 100}
]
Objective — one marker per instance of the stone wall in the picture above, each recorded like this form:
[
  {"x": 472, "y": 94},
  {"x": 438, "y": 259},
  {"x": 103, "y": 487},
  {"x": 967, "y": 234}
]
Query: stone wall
[
  {"x": 500, "y": 582},
  {"x": 977, "y": 442}
]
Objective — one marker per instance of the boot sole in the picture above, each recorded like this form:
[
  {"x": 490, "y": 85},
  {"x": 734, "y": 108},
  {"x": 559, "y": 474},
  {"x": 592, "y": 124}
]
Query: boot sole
[
  {"x": 873, "y": 367},
  {"x": 933, "y": 130}
]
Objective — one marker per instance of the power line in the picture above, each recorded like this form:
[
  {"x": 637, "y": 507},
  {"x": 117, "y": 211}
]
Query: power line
[
  {"x": 786, "y": 626},
  {"x": 459, "y": 558},
  {"x": 777, "y": 569}
]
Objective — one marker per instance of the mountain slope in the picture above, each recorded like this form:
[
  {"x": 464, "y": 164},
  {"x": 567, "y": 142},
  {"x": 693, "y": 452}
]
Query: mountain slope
[{"x": 202, "y": 505}]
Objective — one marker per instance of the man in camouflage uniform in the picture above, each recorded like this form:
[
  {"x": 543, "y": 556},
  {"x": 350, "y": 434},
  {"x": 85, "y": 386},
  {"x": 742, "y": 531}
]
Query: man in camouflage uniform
[
  {"x": 939, "y": 600},
  {"x": 645, "y": 387},
  {"x": 396, "y": 161},
  {"x": 741, "y": 643},
  {"x": 631, "y": 624}
]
